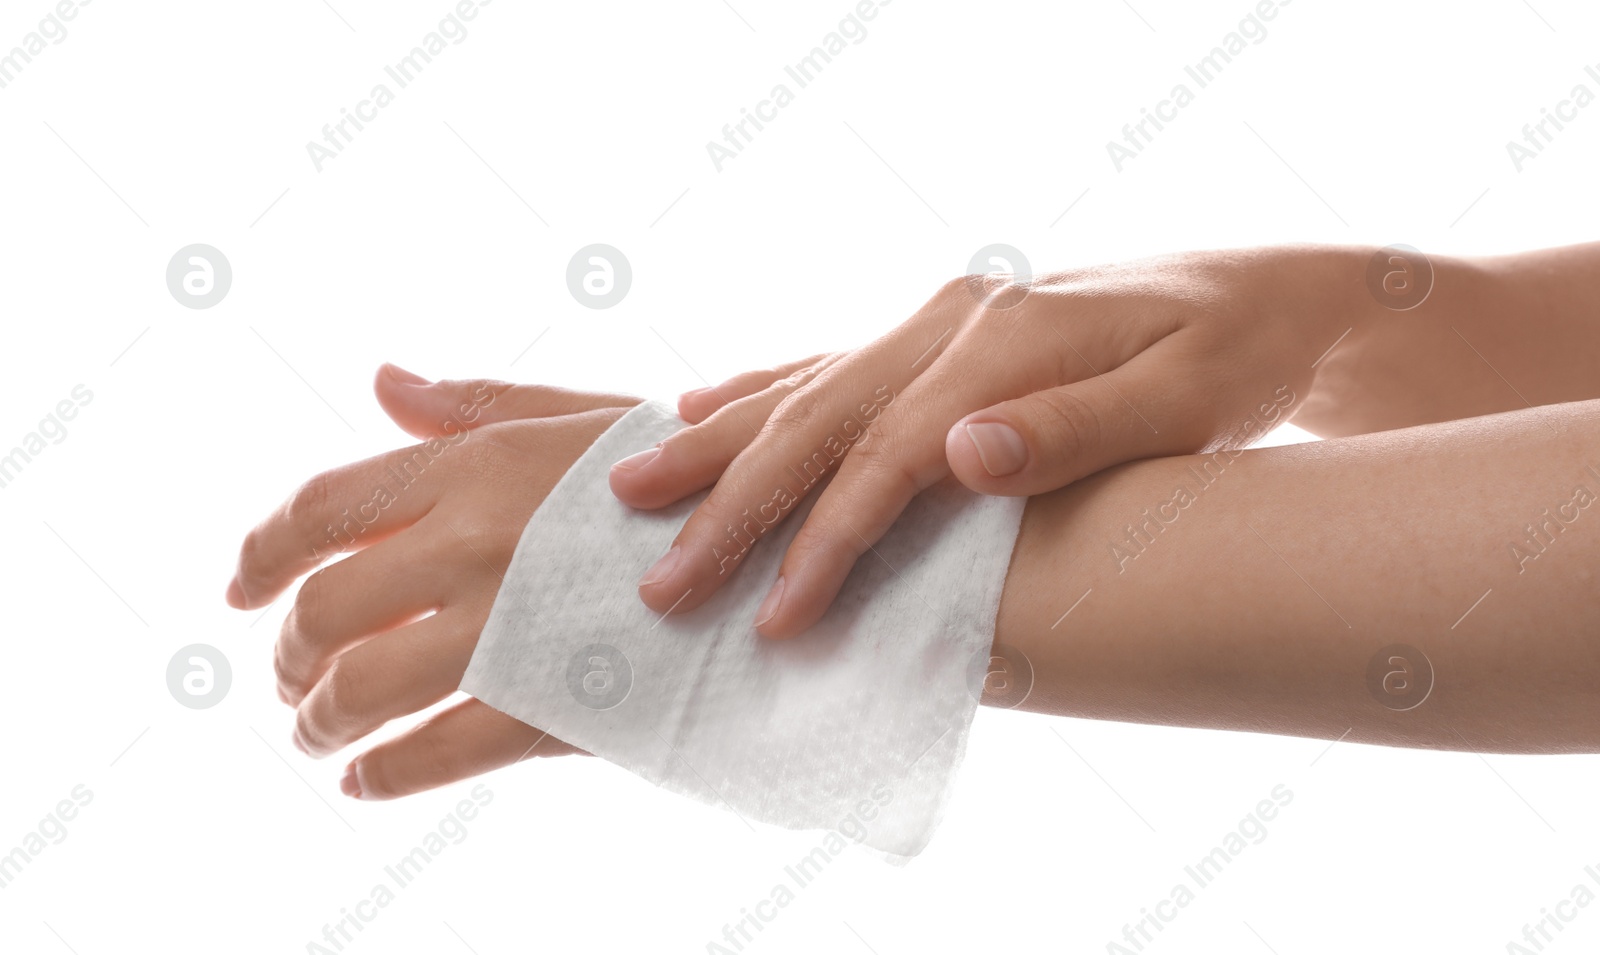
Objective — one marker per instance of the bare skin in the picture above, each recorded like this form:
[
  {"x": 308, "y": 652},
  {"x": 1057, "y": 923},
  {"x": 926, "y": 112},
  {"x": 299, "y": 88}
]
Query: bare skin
[
  {"x": 1258, "y": 607},
  {"x": 1261, "y": 605},
  {"x": 1100, "y": 366}
]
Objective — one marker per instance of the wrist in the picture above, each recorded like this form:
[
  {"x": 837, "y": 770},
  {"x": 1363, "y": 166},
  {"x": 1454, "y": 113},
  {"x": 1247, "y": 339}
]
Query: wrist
[{"x": 1371, "y": 311}]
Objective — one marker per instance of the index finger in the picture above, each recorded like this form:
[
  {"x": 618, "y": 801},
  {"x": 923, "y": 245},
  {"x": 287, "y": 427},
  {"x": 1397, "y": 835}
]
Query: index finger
[{"x": 345, "y": 509}]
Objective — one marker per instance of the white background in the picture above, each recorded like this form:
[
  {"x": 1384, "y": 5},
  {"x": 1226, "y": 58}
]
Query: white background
[{"x": 949, "y": 127}]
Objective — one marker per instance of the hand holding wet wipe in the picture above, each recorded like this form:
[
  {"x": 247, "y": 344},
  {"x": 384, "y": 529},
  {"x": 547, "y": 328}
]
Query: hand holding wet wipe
[{"x": 855, "y": 727}]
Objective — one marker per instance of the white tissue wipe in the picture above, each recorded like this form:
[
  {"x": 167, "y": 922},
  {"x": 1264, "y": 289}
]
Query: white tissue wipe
[{"x": 856, "y": 725}]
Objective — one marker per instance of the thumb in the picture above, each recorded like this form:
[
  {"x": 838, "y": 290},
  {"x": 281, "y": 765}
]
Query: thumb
[
  {"x": 1051, "y": 438},
  {"x": 431, "y": 409}
]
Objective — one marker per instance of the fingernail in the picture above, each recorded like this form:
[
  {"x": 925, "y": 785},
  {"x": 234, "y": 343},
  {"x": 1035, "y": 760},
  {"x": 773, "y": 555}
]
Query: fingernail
[
  {"x": 405, "y": 377},
  {"x": 298, "y": 744},
  {"x": 662, "y": 569},
  {"x": 235, "y": 596},
  {"x": 769, "y": 606},
  {"x": 349, "y": 784},
  {"x": 634, "y": 462},
  {"x": 1000, "y": 447},
  {"x": 692, "y": 395}
]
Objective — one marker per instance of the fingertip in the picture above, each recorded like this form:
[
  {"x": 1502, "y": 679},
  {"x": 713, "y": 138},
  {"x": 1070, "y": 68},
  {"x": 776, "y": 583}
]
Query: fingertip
[
  {"x": 770, "y": 604},
  {"x": 966, "y": 458},
  {"x": 779, "y": 629},
  {"x": 649, "y": 480},
  {"x": 350, "y": 782},
  {"x": 665, "y": 600},
  {"x": 628, "y": 475},
  {"x": 369, "y": 777},
  {"x": 793, "y": 606},
  {"x": 1000, "y": 448},
  {"x": 235, "y": 595},
  {"x": 630, "y": 488},
  {"x": 697, "y": 405},
  {"x": 621, "y": 484},
  {"x": 399, "y": 375},
  {"x": 663, "y": 578}
]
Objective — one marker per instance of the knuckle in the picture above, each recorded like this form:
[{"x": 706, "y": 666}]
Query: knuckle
[
  {"x": 802, "y": 376},
  {"x": 306, "y": 727},
  {"x": 476, "y": 533},
  {"x": 341, "y": 695},
  {"x": 288, "y": 680},
  {"x": 378, "y": 776},
  {"x": 797, "y": 411},
  {"x": 310, "y": 604},
  {"x": 476, "y": 540},
  {"x": 958, "y": 286},
  {"x": 883, "y": 459},
  {"x": 1075, "y": 422},
  {"x": 695, "y": 438},
  {"x": 750, "y": 381},
  {"x": 826, "y": 543},
  {"x": 309, "y": 501}
]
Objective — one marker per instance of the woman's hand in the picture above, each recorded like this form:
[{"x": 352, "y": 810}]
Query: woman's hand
[
  {"x": 1016, "y": 390},
  {"x": 389, "y": 631}
]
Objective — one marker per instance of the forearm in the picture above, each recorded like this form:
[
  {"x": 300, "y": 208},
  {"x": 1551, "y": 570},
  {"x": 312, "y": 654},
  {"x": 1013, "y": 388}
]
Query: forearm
[
  {"x": 1259, "y": 604},
  {"x": 1494, "y": 334}
]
